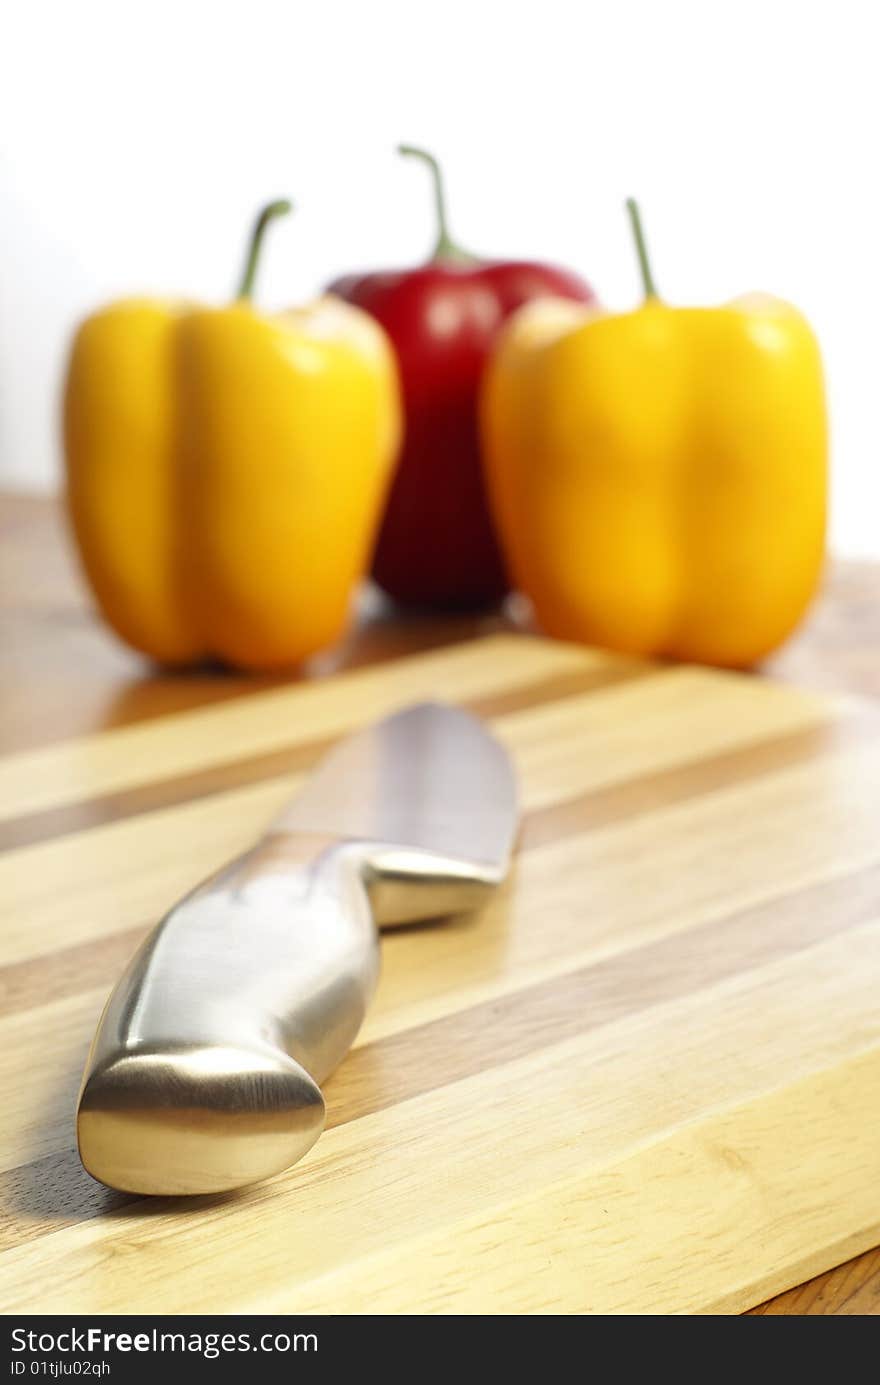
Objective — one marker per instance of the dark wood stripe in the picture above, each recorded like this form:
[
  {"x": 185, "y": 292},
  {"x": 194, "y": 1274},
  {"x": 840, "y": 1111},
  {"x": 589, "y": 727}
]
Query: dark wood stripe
[
  {"x": 51, "y": 1192},
  {"x": 67, "y": 971},
  {"x": 630, "y": 798},
  {"x": 291, "y": 759}
]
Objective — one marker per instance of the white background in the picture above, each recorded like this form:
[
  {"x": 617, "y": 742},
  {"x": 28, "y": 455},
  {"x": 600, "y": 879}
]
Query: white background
[{"x": 138, "y": 139}]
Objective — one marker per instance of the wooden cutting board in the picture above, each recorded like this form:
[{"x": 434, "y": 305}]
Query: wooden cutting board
[{"x": 645, "y": 1079}]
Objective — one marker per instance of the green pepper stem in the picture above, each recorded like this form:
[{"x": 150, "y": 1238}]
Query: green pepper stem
[
  {"x": 445, "y": 247},
  {"x": 255, "y": 245},
  {"x": 635, "y": 218}
]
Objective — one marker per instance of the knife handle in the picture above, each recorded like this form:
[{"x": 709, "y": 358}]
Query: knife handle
[{"x": 204, "y": 1074}]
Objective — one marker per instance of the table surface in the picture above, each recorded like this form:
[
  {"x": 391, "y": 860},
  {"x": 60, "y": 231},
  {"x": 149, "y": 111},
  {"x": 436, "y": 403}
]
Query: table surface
[{"x": 62, "y": 675}]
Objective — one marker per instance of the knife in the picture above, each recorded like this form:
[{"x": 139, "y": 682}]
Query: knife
[{"x": 205, "y": 1071}]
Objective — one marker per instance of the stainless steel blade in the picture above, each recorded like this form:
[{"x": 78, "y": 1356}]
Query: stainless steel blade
[
  {"x": 430, "y": 777},
  {"x": 204, "y": 1073}
]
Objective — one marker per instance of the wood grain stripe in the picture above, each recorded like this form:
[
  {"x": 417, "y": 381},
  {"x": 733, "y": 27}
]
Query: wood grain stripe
[
  {"x": 86, "y": 966},
  {"x": 67, "y": 971},
  {"x": 290, "y": 759},
  {"x": 53, "y": 1191},
  {"x": 647, "y": 793}
]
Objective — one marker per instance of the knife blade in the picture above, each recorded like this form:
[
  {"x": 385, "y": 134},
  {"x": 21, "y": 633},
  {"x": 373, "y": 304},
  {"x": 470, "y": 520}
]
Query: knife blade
[{"x": 205, "y": 1071}]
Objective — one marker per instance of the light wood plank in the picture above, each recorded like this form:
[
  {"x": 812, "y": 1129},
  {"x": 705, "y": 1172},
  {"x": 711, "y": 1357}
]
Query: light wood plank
[{"x": 697, "y": 1199}]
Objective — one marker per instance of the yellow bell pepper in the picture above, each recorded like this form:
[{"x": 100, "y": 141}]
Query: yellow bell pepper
[
  {"x": 226, "y": 470},
  {"x": 659, "y": 476}
]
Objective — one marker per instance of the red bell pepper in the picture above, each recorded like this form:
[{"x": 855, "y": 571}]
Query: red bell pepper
[{"x": 437, "y": 545}]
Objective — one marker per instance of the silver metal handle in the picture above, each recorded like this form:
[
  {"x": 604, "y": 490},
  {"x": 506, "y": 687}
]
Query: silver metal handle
[{"x": 205, "y": 1070}]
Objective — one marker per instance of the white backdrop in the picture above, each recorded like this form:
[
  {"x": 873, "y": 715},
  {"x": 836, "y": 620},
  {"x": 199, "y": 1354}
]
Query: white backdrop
[{"x": 137, "y": 141}]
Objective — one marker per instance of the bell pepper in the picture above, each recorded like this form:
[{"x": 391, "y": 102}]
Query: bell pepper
[
  {"x": 437, "y": 546},
  {"x": 659, "y": 476},
  {"x": 226, "y": 470}
]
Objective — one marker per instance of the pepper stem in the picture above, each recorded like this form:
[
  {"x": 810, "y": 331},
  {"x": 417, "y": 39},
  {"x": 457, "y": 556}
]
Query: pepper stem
[
  {"x": 445, "y": 247},
  {"x": 635, "y": 218},
  {"x": 255, "y": 245}
]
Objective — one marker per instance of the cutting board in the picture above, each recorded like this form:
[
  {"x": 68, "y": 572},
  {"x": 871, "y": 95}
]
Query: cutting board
[{"x": 645, "y": 1078}]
